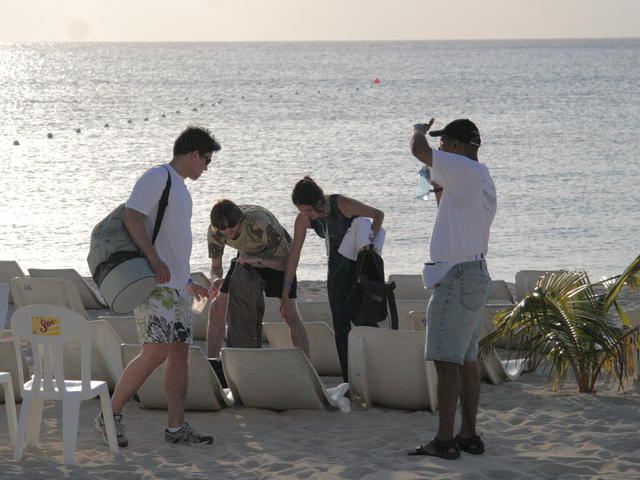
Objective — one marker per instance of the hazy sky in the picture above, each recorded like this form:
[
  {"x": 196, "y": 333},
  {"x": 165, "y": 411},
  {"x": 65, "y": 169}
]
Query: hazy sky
[{"x": 267, "y": 20}]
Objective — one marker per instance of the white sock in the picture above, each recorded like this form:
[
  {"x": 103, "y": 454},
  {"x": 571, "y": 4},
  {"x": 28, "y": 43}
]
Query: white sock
[{"x": 173, "y": 430}]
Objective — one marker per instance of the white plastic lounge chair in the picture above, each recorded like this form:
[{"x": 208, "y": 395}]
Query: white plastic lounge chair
[
  {"x": 387, "y": 368},
  {"x": 526, "y": 281},
  {"x": 49, "y": 291},
  {"x": 496, "y": 371},
  {"x": 205, "y": 392},
  {"x": 279, "y": 379},
  {"x": 9, "y": 363},
  {"x": 201, "y": 279},
  {"x": 48, "y": 328},
  {"x": 200, "y": 318},
  {"x": 89, "y": 297},
  {"x": 634, "y": 317},
  {"x": 409, "y": 287},
  {"x": 322, "y": 344},
  {"x": 124, "y": 326},
  {"x": 4, "y": 304},
  {"x": 315, "y": 311},
  {"x": 106, "y": 357},
  {"x": 500, "y": 292},
  {"x": 272, "y": 310},
  {"x": 10, "y": 405},
  {"x": 9, "y": 269}
]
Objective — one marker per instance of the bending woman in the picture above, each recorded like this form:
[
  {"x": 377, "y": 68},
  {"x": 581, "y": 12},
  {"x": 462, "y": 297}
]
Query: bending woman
[{"x": 330, "y": 217}]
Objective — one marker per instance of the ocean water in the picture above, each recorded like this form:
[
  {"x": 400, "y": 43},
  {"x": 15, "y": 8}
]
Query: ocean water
[{"x": 560, "y": 122}]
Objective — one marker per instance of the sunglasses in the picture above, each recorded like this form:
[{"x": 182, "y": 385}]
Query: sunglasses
[
  {"x": 207, "y": 160},
  {"x": 220, "y": 228}
]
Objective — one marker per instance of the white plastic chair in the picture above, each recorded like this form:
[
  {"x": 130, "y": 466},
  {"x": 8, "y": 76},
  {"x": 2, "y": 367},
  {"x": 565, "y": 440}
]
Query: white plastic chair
[
  {"x": 48, "y": 328},
  {"x": 90, "y": 298},
  {"x": 279, "y": 379},
  {"x": 322, "y": 344},
  {"x": 4, "y": 304},
  {"x": 47, "y": 291},
  {"x": 387, "y": 368},
  {"x": 8, "y": 270},
  {"x": 409, "y": 287},
  {"x": 9, "y": 405}
]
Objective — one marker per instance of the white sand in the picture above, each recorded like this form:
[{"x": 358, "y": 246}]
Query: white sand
[{"x": 530, "y": 432}]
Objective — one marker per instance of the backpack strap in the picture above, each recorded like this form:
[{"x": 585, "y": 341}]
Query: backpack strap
[
  {"x": 162, "y": 206},
  {"x": 391, "y": 300}
]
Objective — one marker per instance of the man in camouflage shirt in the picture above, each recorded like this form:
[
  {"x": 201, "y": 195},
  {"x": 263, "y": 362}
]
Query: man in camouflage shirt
[{"x": 262, "y": 243}]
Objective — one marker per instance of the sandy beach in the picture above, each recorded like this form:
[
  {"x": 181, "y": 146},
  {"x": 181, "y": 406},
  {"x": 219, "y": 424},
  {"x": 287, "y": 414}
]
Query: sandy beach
[{"x": 530, "y": 432}]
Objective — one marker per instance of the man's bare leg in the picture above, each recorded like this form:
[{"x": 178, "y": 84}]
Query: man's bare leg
[
  {"x": 176, "y": 382},
  {"x": 136, "y": 372}
]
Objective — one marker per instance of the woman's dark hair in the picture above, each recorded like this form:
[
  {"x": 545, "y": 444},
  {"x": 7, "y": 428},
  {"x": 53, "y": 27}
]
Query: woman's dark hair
[
  {"x": 307, "y": 192},
  {"x": 225, "y": 212},
  {"x": 195, "y": 139}
]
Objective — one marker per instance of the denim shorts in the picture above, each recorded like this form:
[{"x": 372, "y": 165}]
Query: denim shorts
[{"x": 455, "y": 313}]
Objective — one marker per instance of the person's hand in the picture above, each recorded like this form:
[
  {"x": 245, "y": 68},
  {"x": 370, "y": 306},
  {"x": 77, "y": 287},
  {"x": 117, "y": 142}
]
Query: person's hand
[
  {"x": 215, "y": 287},
  {"x": 284, "y": 311},
  {"x": 160, "y": 269},
  {"x": 425, "y": 127},
  {"x": 197, "y": 291}
]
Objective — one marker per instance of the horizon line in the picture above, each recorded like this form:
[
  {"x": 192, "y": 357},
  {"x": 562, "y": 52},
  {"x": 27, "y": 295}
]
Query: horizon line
[{"x": 9, "y": 42}]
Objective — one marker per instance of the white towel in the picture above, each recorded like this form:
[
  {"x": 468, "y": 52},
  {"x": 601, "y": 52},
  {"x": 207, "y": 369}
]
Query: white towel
[{"x": 357, "y": 237}]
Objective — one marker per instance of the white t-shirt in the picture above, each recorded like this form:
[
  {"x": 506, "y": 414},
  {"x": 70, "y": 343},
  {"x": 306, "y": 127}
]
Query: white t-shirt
[
  {"x": 174, "y": 241},
  {"x": 466, "y": 209}
]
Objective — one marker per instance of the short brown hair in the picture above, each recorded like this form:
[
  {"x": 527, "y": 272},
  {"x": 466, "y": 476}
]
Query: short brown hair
[{"x": 224, "y": 211}]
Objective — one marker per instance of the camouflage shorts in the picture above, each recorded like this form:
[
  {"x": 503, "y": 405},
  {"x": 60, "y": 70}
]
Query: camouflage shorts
[{"x": 165, "y": 317}]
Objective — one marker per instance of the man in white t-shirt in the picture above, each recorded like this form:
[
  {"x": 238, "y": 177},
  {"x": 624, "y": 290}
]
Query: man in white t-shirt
[
  {"x": 458, "y": 274},
  {"x": 164, "y": 319}
]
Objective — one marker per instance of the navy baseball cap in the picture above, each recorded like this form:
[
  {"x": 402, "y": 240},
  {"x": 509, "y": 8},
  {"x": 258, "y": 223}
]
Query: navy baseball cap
[{"x": 462, "y": 129}]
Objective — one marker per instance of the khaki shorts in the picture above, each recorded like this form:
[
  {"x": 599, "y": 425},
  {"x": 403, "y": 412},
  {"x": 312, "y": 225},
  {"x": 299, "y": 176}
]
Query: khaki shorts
[{"x": 165, "y": 317}]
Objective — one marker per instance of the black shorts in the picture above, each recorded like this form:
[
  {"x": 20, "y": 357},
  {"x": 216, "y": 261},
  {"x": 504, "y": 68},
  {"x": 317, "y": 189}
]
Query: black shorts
[{"x": 273, "y": 280}]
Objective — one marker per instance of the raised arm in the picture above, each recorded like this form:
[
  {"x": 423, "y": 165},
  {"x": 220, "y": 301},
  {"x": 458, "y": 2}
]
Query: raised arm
[
  {"x": 419, "y": 146},
  {"x": 134, "y": 221}
]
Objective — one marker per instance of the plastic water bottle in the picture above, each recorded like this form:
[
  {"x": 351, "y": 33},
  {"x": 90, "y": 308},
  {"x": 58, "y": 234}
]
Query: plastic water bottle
[{"x": 424, "y": 182}]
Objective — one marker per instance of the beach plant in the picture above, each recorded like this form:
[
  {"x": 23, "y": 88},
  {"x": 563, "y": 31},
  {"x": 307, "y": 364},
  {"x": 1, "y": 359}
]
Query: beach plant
[{"x": 567, "y": 324}]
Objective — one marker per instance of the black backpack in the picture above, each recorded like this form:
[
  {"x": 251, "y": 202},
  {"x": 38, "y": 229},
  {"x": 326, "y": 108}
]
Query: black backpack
[{"x": 367, "y": 301}]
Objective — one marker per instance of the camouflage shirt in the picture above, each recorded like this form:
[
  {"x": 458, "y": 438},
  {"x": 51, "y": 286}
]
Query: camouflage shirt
[{"x": 260, "y": 234}]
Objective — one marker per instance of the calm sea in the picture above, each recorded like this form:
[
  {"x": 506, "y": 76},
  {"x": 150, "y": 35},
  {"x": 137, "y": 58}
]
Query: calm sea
[{"x": 560, "y": 123}]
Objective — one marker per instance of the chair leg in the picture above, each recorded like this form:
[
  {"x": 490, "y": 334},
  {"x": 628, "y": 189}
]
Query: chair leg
[
  {"x": 10, "y": 407},
  {"x": 34, "y": 422},
  {"x": 70, "y": 417},
  {"x": 22, "y": 428},
  {"x": 107, "y": 414}
]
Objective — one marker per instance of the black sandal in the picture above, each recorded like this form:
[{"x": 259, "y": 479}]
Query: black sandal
[
  {"x": 447, "y": 449},
  {"x": 473, "y": 445}
]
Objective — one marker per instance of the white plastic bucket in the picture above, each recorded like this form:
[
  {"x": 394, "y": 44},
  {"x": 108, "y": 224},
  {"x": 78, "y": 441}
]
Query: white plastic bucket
[{"x": 128, "y": 285}]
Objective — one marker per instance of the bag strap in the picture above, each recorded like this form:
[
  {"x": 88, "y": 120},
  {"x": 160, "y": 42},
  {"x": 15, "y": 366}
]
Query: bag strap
[
  {"x": 162, "y": 206},
  {"x": 391, "y": 300}
]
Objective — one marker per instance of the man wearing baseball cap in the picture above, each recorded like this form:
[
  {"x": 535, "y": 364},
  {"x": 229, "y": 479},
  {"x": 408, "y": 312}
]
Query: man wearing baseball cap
[{"x": 457, "y": 272}]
